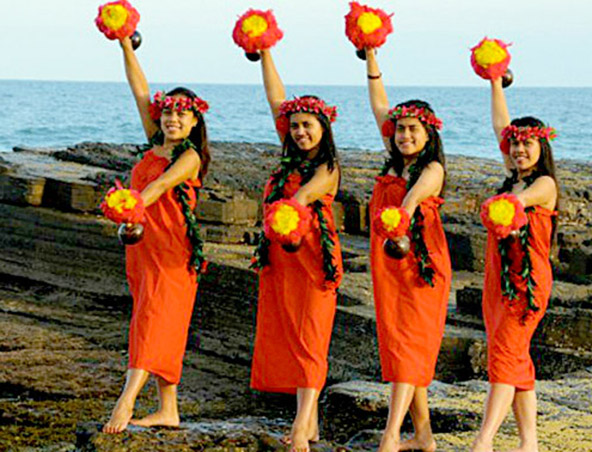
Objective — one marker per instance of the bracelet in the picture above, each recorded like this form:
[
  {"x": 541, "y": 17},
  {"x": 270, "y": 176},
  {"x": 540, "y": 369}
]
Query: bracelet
[{"x": 374, "y": 77}]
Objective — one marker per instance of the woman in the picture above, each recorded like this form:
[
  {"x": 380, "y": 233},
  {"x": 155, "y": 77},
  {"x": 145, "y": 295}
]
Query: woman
[
  {"x": 410, "y": 294},
  {"x": 163, "y": 268},
  {"x": 511, "y": 318},
  {"x": 297, "y": 290}
]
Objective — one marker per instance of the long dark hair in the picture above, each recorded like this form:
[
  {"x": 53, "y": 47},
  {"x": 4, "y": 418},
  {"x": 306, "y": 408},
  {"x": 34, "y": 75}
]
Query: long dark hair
[
  {"x": 327, "y": 149},
  {"x": 198, "y": 135},
  {"x": 432, "y": 152},
  {"x": 545, "y": 166}
]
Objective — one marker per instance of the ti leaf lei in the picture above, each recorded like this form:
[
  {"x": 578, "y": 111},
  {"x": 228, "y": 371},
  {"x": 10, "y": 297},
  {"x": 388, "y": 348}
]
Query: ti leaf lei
[
  {"x": 509, "y": 290},
  {"x": 197, "y": 259},
  {"x": 424, "y": 262},
  {"x": 278, "y": 180}
]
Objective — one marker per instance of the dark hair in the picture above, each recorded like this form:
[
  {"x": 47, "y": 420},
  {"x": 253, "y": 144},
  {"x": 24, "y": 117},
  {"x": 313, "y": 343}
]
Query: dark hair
[
  {"x": 432, "y": 152},
  {"x": 327, "y": 150},
  {"x": 198, "y": 135},
  {"x": 545, "y": 166}
]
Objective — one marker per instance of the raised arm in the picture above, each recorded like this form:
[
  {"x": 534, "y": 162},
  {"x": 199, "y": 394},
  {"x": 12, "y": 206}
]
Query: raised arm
[
  {"x": 186, "y": 167},
  {"x": 274, "y": 88},
  {"x": 322, "y": 183},
  {"x": 378, "y": 97},
  {"x": 500, "y": 117},
  {"x": 139, "y": 86},
  {"x": 429, "y": 184}
]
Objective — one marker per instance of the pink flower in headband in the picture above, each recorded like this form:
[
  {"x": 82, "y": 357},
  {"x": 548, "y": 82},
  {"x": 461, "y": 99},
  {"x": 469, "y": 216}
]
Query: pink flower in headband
[
  {"x": 412, "y": 111},
  {"x": 303, "y": 105},
  {"x": 162, "y": 101},
  {"x": 516, "y": 133}
]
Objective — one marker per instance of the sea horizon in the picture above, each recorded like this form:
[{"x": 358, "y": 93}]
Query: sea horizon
[{"x": 63, "y": 113}]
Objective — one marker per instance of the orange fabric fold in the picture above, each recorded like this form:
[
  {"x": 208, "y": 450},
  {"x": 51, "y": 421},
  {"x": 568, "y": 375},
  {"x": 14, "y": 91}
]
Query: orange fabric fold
[
  {"x": 295, "y": 311},
  {"x": 162, "y": 285},
  {"x": 410, "y": 315},
  {"x": 508, "y": 337}
]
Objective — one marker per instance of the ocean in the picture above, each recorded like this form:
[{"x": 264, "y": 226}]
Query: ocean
[{"x": 59, "y": 114}]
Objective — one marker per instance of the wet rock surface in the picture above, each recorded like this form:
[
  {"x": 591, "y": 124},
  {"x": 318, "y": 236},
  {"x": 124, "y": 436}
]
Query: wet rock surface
[{"x": 64, "y": 312}]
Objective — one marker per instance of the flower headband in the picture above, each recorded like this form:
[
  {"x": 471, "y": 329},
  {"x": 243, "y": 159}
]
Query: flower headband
[
  {"x": 163, "y": 102},
  {"x": 303, "y": 105},
  {"x": 412, "y": 111},
  {"x": 512, "y": 132}
]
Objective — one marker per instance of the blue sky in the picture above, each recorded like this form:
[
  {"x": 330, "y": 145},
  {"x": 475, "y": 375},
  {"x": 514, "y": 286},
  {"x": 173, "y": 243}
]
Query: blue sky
[{"x": 190, "y": 41}]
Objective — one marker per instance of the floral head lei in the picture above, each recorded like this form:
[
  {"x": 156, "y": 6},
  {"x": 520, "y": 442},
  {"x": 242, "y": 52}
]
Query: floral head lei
[
  {"x": 516, "y": 133},
  {"x": 163, "y": 102},
  {"x": 412, "y": 111},
  {"x": 303, "y": 105}
]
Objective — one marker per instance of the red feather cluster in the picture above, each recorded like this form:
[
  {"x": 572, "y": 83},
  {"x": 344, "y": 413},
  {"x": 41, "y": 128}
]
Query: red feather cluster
[
  {"x": 127, "y": 28},
  {"x": 286, "y": 233},
  {"x": 493, "y": 71},
  {"x": 123, "y": 205},
  {"x": 502, "y": 214},
  {"x": 375, "y": 36},
  {"x": 256, "y": 30},
  {"x": 388, "y": 230},
  {"x": 524, "y": 133}
]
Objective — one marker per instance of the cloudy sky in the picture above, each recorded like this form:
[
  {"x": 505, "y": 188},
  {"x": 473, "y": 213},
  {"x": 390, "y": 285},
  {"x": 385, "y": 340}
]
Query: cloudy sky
[{"x": 190, "y": 41}]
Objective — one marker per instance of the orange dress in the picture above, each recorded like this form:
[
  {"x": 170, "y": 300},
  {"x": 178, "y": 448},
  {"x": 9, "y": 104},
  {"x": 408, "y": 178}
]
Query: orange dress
[
  {"x": 410, "y": 314},
  {"x": 295, "y": 311},
  {"x": 508, "y": 335},
  {"x": 162, "y": 285}
]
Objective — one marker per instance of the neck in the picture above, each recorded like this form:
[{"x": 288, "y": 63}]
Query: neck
[
  {"x": 312, "y": 154},
  {"x": 169, "y": 145},
  {"x": 409, "y": 160},
  {"x": 525, "y": 173}
]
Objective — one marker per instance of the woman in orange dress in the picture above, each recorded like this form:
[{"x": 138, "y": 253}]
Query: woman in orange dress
[
  {"x": 297, "y": 289},
  {"x": 410, "y": 293},
  {"x": 162, "y": 269},
  {"x": 514, "y": 301}
]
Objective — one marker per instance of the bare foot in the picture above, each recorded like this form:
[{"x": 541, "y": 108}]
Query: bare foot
[
  {"x": 389, "y": 443},
  {"x": 299, "y": 440},
  {"x": 120, "y": 417},
  {"x": 479, "y": 446},
  {"x": 159, "y": 418},
  {"x": 313, "y": 436},
  {"x": 416, "y": 443}
]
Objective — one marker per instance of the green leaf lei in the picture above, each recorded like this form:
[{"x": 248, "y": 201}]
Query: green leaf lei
[
  {"x": 278, "y": 179},
  {"x": 509, "y": 290},
  {"x": 197, "y": 259},
  {"x": 424, "y": 262}
]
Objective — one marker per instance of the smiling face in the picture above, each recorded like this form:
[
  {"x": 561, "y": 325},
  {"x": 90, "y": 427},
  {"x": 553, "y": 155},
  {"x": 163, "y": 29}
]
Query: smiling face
[
  {"x": 177, "y": 125},
  {"x": 525, "y": 154},
  {"x": 410, "y": 136},
  {"x": 306, "y": 131}
]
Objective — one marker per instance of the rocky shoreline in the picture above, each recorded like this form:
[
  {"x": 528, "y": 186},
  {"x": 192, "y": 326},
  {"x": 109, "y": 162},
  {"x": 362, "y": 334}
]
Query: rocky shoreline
[{"x": 64, "y": 309}]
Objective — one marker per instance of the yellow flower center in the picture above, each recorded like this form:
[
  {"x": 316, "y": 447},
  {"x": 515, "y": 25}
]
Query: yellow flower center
[
  {"x": 490, "y": 53},
  {"x": 502, "y": 212},
  {"x": 391, "y": 218},
  {"x": 286, "y": 220},
  {"x": 369, "y": 22},
  {"x": 114, "y": 16},
  {"x": 121, "y": 199},
  {"x": 254, "y": 26}
]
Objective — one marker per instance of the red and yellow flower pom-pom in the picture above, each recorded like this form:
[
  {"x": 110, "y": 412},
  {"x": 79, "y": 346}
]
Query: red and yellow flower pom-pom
[
  {"x": 118, "y": 19},
  {"x": 503, "y": 214},
  {"x": 287, "y": 221},
  {"x": 367, "y": 27},
  {"x": 123, "y": 205},
  {"x": 256, "y": 30},
  {"x": 391, "y": 222},
  {"x": 490, "y": 58}
]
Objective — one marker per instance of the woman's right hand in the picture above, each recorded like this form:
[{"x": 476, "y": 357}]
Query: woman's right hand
[{"x": 126, "y": 43}]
